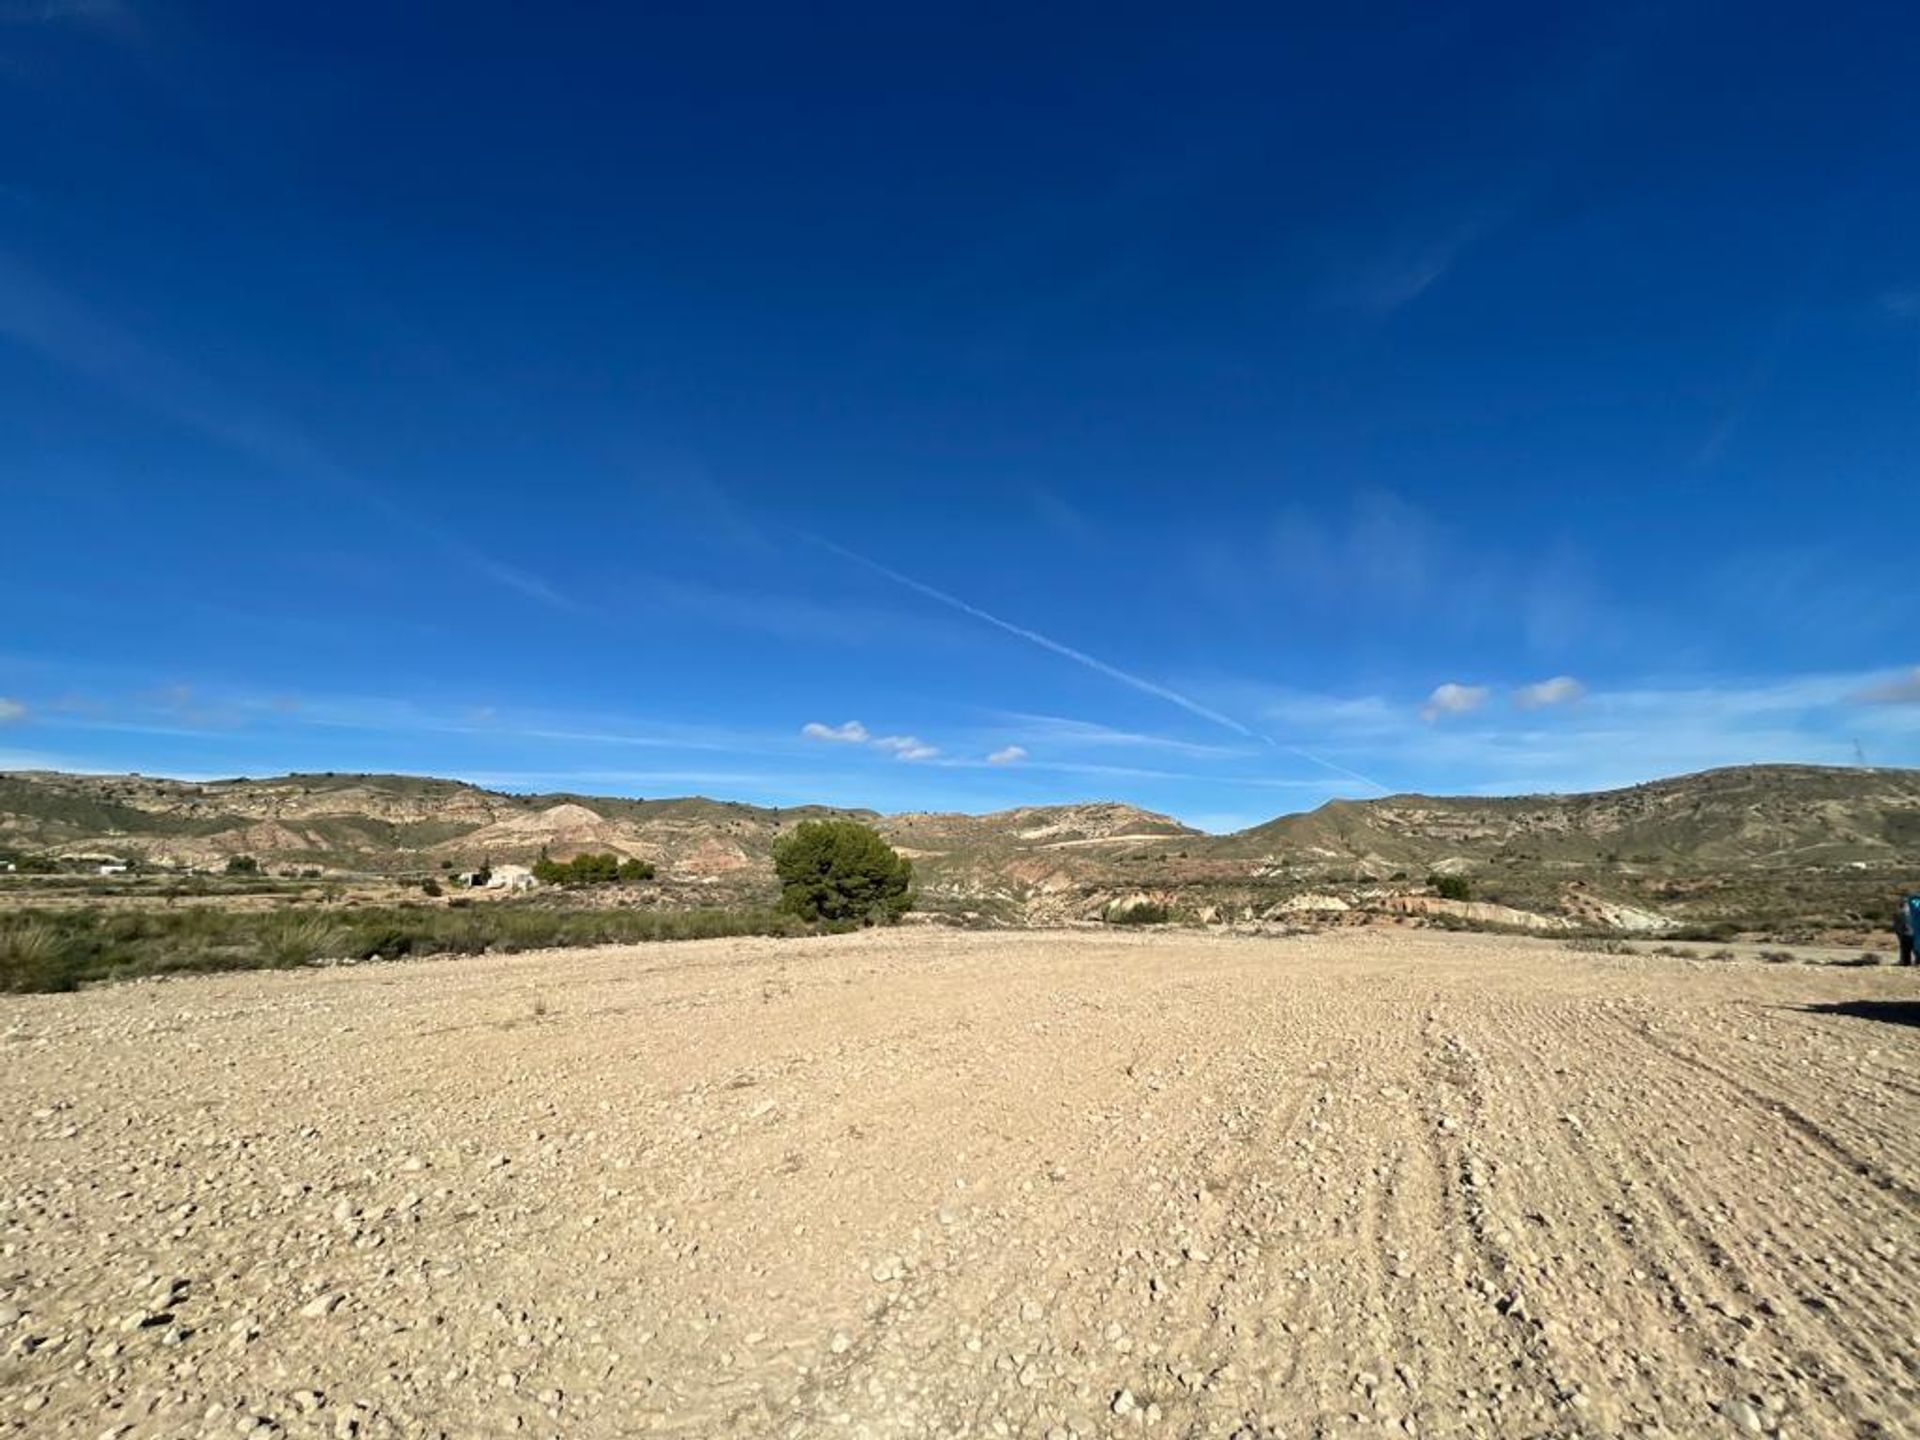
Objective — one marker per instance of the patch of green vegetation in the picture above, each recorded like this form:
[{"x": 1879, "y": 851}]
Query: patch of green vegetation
[
  {"x": 590, "y": 870},
  {"x": 1451, "y": 887},
  {"x": 843, "y": 872},
  {"x": 1147, "y": 912},
  {"x": 53, "y": 950}
]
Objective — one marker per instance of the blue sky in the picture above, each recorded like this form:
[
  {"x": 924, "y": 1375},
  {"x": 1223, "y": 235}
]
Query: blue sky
[{"x": 933, "y": 408}]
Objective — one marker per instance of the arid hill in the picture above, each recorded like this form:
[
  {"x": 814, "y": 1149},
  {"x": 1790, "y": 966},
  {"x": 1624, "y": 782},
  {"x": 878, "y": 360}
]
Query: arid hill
[
  {"x": 1746, "y": 815},
  {"x": 1824, "y": 844}
]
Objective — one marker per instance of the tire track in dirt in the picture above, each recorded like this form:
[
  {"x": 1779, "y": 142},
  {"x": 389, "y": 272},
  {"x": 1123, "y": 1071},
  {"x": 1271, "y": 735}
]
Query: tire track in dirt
[
  {"x": 1336, "y": 1185},
  {"x": 1725, "y": 1289},
  {"x": 1819, "y": 1140}
]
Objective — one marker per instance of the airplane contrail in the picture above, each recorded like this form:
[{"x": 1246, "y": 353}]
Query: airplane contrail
[{"x": 1091, "y": 662}]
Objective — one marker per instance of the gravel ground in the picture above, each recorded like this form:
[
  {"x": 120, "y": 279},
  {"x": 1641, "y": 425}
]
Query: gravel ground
[{"x": 939, "y": 1184}]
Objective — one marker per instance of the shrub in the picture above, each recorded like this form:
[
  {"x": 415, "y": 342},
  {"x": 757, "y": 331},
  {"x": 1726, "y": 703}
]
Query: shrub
[
  {"x": 1450, "y": 887},
  {"x": 242, "y": 865},
  {"x": 35, "y": 956},
  {"x": 1600, "y": 945},
  {"x": 590, "y": 870},
  {"x": 300, "y": 940},
  {"x": 1146, "y": 912},
  {"x": 841, "y": 871},
  {"x": 61, "y": 949},
  {"x": 430, "y": 887}
]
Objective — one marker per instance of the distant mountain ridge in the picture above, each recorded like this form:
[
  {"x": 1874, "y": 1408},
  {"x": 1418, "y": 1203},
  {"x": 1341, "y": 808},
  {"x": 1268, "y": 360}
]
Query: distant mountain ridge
[
  {"x": 1034, "y": 862},
  {"x": 1744, "y": 815}
]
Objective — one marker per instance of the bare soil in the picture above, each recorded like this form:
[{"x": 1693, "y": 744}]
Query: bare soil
[{"x": 939, "y": 1184}]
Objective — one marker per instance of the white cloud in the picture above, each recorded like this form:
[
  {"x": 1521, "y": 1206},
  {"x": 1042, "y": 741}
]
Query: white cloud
[
  {"x": 1008, "y": 755},
  {"x": 851, "y": 733},
  {"x": 1090, "y": 662},
  {"x": 1560, "y": 690},
  {"x": 1901, "y": 690},
  {"x": 1453, "y": 699},
  {"x": 906, "y": 747},
  {"x": 11, "y": 710}
]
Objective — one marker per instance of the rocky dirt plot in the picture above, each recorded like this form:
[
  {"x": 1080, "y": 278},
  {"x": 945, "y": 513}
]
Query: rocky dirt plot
[{"x": 946, "y": 1184}]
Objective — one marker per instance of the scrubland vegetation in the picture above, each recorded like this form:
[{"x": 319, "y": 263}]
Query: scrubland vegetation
[{"x": 61, "y": 949}]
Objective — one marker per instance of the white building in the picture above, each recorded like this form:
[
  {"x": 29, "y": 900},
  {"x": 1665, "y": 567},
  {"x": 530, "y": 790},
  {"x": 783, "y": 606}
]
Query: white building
[{"x": 511, "y": 877}]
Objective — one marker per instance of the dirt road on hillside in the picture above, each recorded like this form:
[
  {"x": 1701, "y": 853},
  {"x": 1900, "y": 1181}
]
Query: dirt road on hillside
[{"x": 926, "y": 1183}]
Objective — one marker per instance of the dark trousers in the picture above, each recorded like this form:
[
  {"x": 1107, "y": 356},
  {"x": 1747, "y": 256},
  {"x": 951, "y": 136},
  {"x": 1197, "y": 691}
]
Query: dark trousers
[{"x": 1906, "y": 949}]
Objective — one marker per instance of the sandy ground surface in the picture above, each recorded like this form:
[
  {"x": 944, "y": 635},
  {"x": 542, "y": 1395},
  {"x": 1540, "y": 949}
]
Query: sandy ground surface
[{"x": 944, "y": 1184}]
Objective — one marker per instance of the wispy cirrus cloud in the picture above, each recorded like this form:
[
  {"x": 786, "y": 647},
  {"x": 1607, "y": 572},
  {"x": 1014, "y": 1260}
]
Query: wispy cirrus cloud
[
  {"x": 1092, "y": 662},
  {"x": 1899, "y": 690},
  {"x": 1008, "y": 755},
  {"x": 1902, "y": 304},
  {"x": 39, "y": 317},
  {"x": 1403, "y": 272},
  {"x": 12, "y": 711},
  {"x": 1632, "y": 733},
  {"x": 1063, "y": 730},
  {"x": 113, "y": 16}
]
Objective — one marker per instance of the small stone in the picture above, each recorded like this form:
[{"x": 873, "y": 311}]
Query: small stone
[
  {"x": 841, "y": 1342},
  {"x": 1124, "y": 1404},
  {"x": 308, "y": 1401},
  {"x": 1745, "y": 1418},
  {"x": 321, "y": 1305}
]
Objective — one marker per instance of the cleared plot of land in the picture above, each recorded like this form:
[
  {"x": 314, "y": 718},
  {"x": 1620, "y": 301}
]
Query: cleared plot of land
[{"x": 943, "y": 1184}]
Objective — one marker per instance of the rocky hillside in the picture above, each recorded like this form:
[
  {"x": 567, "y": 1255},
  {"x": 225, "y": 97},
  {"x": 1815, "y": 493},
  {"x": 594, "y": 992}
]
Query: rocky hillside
[
  {"x": 400, "y": 823},
  {"x": 376, "y": 823},
  {"x": 1754, "y": 815},
  {"x": 1715, "y": 847}
]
